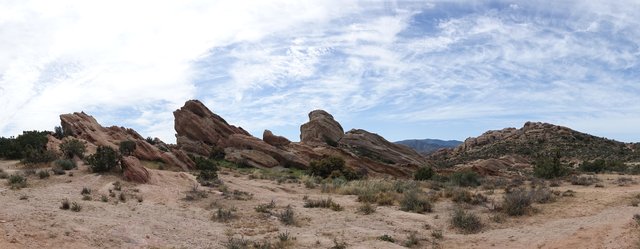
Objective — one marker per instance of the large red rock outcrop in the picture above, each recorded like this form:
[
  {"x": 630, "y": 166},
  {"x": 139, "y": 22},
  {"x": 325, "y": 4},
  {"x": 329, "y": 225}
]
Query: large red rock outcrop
[
  {"x": 373, "y": 146},
  {"x": 321, "y": 129},
  {"x": 199, "y": 130},
  {"x": 84, "y": 127}
]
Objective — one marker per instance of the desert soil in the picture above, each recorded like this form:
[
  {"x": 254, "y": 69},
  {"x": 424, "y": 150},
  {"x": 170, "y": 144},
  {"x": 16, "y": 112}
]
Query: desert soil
[{"x": 31, "y": 217}]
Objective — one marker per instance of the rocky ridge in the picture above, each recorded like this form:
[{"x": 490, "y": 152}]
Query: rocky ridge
[{"x": 534, "y": 140}]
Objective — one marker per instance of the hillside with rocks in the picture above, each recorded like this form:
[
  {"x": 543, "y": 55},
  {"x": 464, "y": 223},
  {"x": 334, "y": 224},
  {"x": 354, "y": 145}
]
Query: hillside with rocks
[{"x": 535, "y": 140}]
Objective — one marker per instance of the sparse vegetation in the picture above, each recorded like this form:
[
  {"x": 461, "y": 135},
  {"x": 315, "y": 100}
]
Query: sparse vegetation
[
  {"x": 236, "y": 243},
  {"x": 265, "y": 208},
  {"x": 465, "y": 179},
  {"x": 387, "y": 238},
  {"x": 583, "y": 180},
  {"x": 465, "y": 221},
  {"x": 412, "y": 240},
  {"x": 323, "y": 203},
  {"x": 366, "y": 208},
  {"x": 17, "y": 181},
  {"x": 224, "y": 215},
  {"x": 75, "y": 207},
  {"x": 413, "y": 201},
  {"x": 287, "y": 216},
  {"x": 517, "y": 202},
  {"x": 42, "y": 174},
  {"x": 85, "y": 191}
]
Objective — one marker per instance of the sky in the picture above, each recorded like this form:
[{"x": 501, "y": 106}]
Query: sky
[{"x": 402, "y": 69}]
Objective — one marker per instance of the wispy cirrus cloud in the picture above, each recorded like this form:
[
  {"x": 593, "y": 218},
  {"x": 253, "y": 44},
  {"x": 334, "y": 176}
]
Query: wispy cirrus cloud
[{"x": 378, "y": 66}]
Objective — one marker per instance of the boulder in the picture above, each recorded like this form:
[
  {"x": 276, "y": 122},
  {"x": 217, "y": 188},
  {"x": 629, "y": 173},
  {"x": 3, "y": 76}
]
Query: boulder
[
  {"x": 278, "y": 141},
  {"x": 321, "y": 129},
  {"x": 134, "y": 171}
]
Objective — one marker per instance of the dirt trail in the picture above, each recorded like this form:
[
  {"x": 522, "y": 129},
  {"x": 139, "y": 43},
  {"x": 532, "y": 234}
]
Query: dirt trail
[{"x": 32, "y": 218}]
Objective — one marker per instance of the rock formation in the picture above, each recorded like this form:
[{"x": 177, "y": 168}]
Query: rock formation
[
  {"x": 84, "y": 127},
  {"x": 321, "y": 136},
  {"x": 321, "y": 129}
]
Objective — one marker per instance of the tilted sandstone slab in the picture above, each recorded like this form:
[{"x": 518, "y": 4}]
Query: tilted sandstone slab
[{"x": 321, "y": 129}]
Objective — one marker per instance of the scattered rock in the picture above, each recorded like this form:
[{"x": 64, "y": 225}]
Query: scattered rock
[{"x": 134, "y": 171}]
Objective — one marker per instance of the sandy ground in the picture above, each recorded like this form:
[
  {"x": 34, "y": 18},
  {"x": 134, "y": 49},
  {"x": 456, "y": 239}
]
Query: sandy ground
[{"x": 31, "y": 217}]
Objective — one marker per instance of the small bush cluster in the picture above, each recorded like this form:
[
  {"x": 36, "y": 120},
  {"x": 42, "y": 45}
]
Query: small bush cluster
[
  {"x": 413, "y": 201},
  {"x": 466, "y": 222},
  {"x": 387, "y": 238},
  {"x": 127, "y": 147},
  {"x": 224, "y": 215},
  {"x": 265, "y": 208},
  {"x": 423, "y": 173},
  {"x": 323, "y": 203},
  {"x": 42, "y": 174},
  {"x": 65, "y": 164},
  {"x": 517, "y": 202},
  {"x": 366, "y": 208},
  {"x": 549, "y": 167},
  {"x": 465, "y": 179},
  {"x": 17, "y": 181},
  {"x": 583, "y": 180},
  {"x": 331, "y": 167}
]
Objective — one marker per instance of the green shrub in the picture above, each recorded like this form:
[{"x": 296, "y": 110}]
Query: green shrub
[
  {"x": 43, "y": 174},
  {"x": 65, "y": 164},
  {"x": 412, "y": 201},
  {"x": 465, "y": 179},
  {"x": 387, "y": 238},
  {"x": 517, "y": 202},
  {"x": 150, "y": 140},
  {"x": 583, "y": 180},
  {"x": 265, "y": 208},
  {"x": 17, "y": 181},
  {"x": 105, "y": 159},
  {"x": 34, "y": 142},
  {"x": 332, "y": 167},
  {"x": 58, "y": 132},
  {"x": 127, "y": 147},
  {"x": 65, "y": 204},
  {"x": 85, "y": 191},
  {"x": 466, "y": 222},
  {"x": 549, "y": 168},
  {"x": 73, "y": 147},
  {"x": 423, "y": 173},
  {"x": 58, "y": 171}
]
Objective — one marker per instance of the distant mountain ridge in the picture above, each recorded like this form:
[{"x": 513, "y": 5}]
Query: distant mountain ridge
[{"x": 428, "y": 146}]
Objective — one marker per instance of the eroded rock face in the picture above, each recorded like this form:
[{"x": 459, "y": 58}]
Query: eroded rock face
[
  {"x": 198, "y": 129},
  {"x": 268, "y": 137},
  {"x": 321, "y": 129},
  {"x": 375, "y": 147},
  {"x": 84, "y": 127},
  {"x": 134, "y": 171}
]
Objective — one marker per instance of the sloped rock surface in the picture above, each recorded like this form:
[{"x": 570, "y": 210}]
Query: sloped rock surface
[
  {"x": 373, "y": 146},
  {"x": 270, "y": 138},
  {"x": 134, "y": 171}
]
